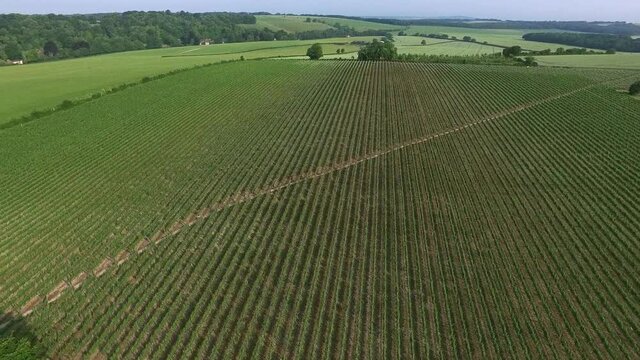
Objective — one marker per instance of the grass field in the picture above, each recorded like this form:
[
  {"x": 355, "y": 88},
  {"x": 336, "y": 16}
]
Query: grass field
[
  {"x": 412, "y": 45},
  {"x": 293, "y": 24},
  {"x": 298, "y": 209},
  {"x": 501, "y": 37},
  {"x": 24, "y": 89},
  {"x": 288, "y": 23},
  {"x": 617, "y": 61}
]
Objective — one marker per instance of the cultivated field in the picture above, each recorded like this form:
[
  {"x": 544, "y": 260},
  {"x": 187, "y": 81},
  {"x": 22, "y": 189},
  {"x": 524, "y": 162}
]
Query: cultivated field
[{"x": 298, "y": 209}]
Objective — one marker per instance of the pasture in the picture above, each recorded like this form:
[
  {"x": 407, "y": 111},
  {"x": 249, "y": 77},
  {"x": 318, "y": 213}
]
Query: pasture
[{"x": 299, "y": 209}]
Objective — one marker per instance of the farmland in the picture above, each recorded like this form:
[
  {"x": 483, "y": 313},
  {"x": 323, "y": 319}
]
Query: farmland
[
  {"x": 24, "y": 89},
  {"x": 293, "y": 24},
  {"x": 617, "y": 61},
  {"x": 299, "y": 209},
  {"x": 500, "y": 37},
  {"x": 413, "y": 45}
]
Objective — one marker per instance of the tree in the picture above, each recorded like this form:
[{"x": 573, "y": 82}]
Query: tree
[
  {"x": 530, "y": 61},
  {"x": 560, "y": 51},
  {"x": 512, "y": 51},
  {"x": 424, "y": 42},
  {"x": 315, "y": 52},
  {"x": 51, "y": 48},
  {"x": 13, "y": 51},
  {"x": 378, "y": 50},
  {"x": 634, "y": 89},
  {"x": 611, "y": 51},
  {"x": 466, "y": 38}
]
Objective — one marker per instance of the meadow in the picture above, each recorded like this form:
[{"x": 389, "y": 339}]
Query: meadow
[{"x": 299, "y": 209}]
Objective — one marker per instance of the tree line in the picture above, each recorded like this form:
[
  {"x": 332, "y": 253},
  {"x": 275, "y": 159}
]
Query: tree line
[
  {"x": 596, "y": 41},
  {"x": 44, "y": 37}
]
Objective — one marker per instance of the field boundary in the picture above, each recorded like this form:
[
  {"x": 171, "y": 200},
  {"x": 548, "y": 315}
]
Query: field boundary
[{"x": 241, "y": 197}]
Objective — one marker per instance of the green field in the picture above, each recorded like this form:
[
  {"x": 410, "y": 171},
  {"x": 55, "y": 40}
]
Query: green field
[
  {"x": 413, "y": 45},
  {"x": 24, "y": 89},
  {"x": 299, "y": 209},
  {"x": 617, "y": 61},
  {"x": 290, "y": 24},
  {"x": 500, "y": 37},
  {"x": 294, "y": 24}
]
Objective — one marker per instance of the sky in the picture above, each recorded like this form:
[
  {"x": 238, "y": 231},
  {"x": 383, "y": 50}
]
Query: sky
[{"x": 606, "y": 10}]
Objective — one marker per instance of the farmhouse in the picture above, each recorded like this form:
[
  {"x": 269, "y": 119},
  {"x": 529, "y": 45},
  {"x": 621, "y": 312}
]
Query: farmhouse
[
  {"x": 16, "y": 62},
  {"x": 206, "y": 42}
]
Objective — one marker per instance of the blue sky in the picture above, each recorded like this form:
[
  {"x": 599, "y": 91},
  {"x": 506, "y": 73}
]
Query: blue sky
[{"x": 628, "y": 10}]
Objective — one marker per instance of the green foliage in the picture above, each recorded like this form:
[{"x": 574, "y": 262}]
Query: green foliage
[
  {"x": 15, "y": 348},
  {"x": 378, "y": 50},
  {"x": 79, "y": 35},
  {"x": 529, "y": 61},
  {"x": 448, "y": 59},
  {"x": 315, "y": 52},
  {"x": 512, "y": 51},
  {"x": 13, "y": 51},
  {"x": 50, "y": 48},
  {"x": 634, "y": 89}
]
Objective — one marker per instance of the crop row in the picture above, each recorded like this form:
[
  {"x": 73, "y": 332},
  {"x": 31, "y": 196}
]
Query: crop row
[
  {"x": 512, "y": 238},
  {"x": 89, "y": 187}
]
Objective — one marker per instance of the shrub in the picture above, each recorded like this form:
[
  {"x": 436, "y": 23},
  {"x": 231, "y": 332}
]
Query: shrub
[
  {"x": 67, "y": 104},
  {"x": 512, "y": 51},
  {"x": 18, "y": 348},
  {"x": 634, "y": 89}
]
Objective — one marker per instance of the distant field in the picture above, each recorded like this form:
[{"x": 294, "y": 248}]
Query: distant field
[
  {"x": 290, "y": 24},
  {"x": 24, "y": 89},
  {"x": 360, "y": 25},
  {"x": 299, "y": 209},
  {"x": 617, "y": 61},
  {"x": 502, "y": 37},
  {"x": 293, "y": 24},
  {"x": 412, "y": 45}
]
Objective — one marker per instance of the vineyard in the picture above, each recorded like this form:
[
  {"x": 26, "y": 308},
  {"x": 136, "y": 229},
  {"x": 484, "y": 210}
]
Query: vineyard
[{"x": 298, "y": 209}]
